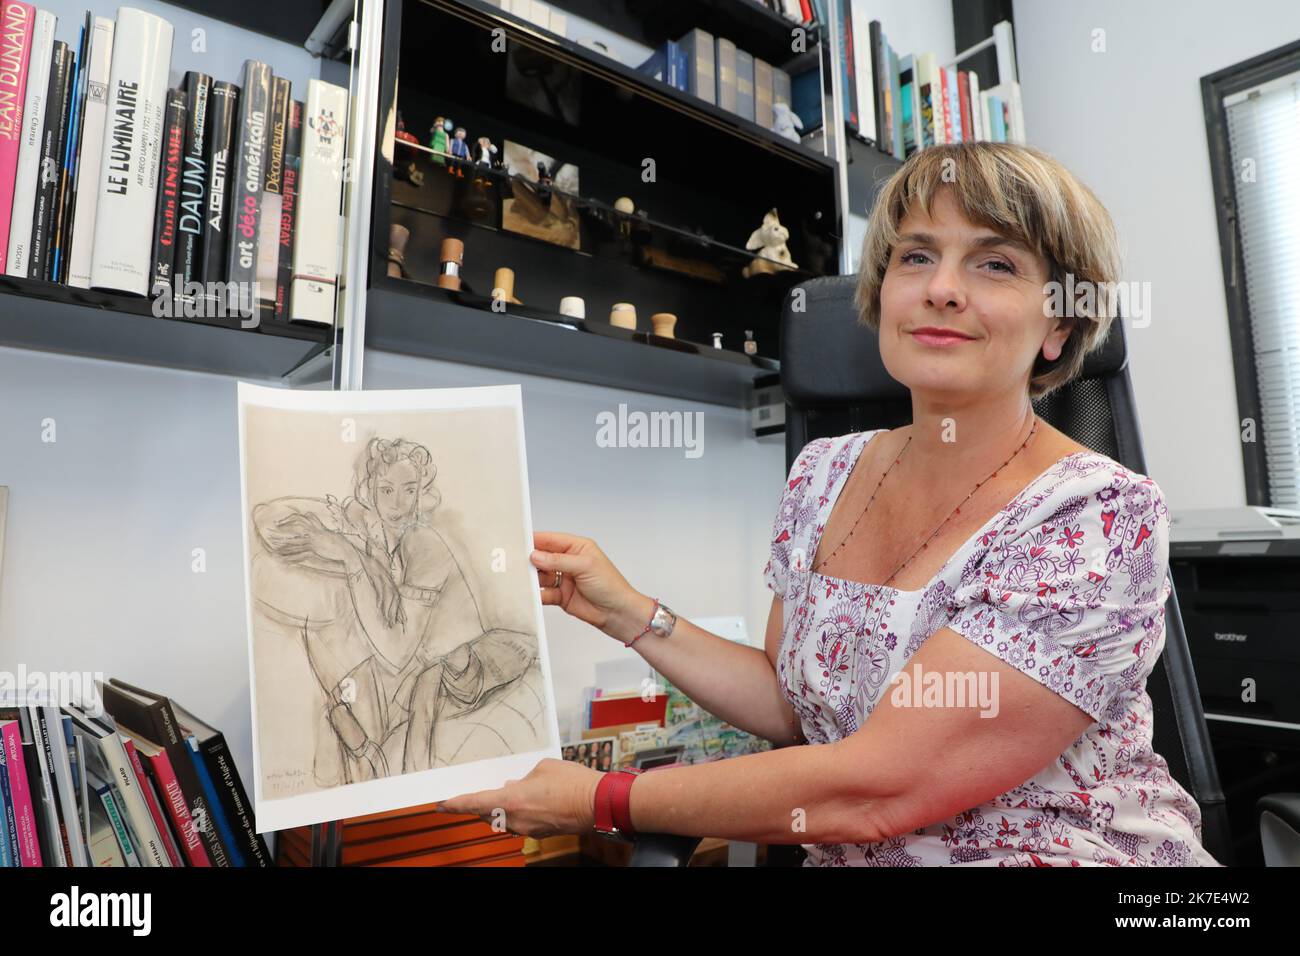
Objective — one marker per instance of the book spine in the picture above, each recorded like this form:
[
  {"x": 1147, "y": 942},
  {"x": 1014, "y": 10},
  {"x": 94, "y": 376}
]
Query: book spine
[
  {"x": 17, "y": 29},
  {"x": 86, "y": 183},
  {"x": 28, "y": 170},
  {"x": 169, "y": 785},
  {"x": 155, "y": 811},
  {"x": 230, "y": 792},
  {"x": 169, "y": 191},
  {"x": 214, "y": 802},
  {"x": 289, "y": 209},
  {"x": 268, "y": 241},
  {"x": 223, "y": 112},
  {"x": 745, "y": 84},
  {"x": 56, "y": 119},
  {"x": 121, "y": 259},
  {"x": 58, "y": 832},
  {"x": 67, "y": 172},
  {"x": 726, "y": 59},
  {"x": 246, "y": 185},
  {"x": 194, "y": 184},
  {"x": 316, "y": 247},
  {"x": 763, "y": 89},
  {"x": 9, "y": 823},
  {"x": 115, "y": 817},
  {"x": 29, "y": 848},
  {"x": 963, "y": 97}
]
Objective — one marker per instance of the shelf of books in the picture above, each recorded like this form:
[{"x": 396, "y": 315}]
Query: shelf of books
[
  {"x": 166, "y": 203},
  {"x": 902, "y": 102}
]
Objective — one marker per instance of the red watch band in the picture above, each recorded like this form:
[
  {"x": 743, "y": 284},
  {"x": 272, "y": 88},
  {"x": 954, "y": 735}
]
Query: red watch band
[{"x": 613, "y": 794}]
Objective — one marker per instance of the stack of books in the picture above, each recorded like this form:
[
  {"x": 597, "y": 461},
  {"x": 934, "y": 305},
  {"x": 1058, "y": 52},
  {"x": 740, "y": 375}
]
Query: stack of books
[
  {"x": 212, "y": 197},
  {"x": 721, "y": 73},
  {"x": 910, "y": 102},
  {"x": 138, "y": 782}
]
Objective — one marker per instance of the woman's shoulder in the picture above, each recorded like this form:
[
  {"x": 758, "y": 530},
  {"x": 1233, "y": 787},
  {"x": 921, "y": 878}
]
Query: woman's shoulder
[{"x": 1087, "y": 485}]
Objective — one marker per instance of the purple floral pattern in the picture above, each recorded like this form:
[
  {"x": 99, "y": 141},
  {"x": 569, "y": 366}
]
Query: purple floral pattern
[{"x": 1067, "y": 584}]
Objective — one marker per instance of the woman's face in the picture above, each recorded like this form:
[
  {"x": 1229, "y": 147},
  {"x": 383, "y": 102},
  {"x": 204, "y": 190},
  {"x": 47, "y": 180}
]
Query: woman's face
[
  {"x": 948, "y": 273},
  {"x": 396, "y": 490}
]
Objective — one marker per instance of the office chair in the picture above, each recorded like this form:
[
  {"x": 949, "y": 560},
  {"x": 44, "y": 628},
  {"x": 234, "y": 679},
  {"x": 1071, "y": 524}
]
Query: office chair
[{"x": 835, "y": 383}]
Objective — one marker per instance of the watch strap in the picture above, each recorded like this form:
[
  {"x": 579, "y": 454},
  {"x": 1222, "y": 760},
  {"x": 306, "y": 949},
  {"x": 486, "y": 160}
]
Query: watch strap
[{"x": 613, "y": 792}]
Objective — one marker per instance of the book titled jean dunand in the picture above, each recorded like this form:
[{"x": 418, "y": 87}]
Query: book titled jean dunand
[
  {"x": 28, "y": 170},
  {"x": 17, "y": 28}
]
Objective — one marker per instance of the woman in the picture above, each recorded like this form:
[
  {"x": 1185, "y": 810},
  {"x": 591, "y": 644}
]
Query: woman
[
  {"x": 409, "y": 653},
  {"x": 979, "y": 546}
]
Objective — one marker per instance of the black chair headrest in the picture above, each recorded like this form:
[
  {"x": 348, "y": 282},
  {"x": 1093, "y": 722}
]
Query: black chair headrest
[{"x": 829, "y": 358}]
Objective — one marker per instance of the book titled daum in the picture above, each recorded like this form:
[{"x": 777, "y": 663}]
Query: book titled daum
[{"x": 121, "y": 259}]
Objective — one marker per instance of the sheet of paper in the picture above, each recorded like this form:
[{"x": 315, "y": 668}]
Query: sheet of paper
[{"x": 397, "y": 654}]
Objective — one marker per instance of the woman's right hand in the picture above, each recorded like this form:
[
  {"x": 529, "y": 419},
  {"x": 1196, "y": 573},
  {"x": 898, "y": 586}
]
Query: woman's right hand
[{"x": 591, "y": 589}]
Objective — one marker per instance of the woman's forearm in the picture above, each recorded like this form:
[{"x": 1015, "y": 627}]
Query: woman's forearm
[
  {"x": 807, "y": 794},
  {"x": 729, "y": 680}
]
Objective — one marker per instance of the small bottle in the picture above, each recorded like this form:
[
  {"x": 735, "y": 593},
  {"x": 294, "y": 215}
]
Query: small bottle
[
  {"x": 751, "y": 347},
  {"x": 717, "y": 340}
]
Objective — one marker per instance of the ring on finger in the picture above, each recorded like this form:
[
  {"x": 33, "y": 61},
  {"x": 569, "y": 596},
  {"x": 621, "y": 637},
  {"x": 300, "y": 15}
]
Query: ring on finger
[{"x": 558, "y": 575}]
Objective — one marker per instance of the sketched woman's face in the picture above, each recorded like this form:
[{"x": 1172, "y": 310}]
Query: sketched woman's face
[{"x": 397, "y": 488}]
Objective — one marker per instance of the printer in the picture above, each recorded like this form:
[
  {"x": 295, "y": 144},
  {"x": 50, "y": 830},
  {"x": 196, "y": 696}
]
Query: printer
[{"x": 1237, "y": 575}]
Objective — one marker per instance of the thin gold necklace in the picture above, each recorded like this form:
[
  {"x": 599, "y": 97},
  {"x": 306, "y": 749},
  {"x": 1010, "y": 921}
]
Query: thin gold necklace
[{"x": 925, "y": 544}]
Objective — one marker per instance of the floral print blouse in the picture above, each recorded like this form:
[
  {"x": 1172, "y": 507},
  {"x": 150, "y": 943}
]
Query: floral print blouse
[{"x": 1067, "y": 584}]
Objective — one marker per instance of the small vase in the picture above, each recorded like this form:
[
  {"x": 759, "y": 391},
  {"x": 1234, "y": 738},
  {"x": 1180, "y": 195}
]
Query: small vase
[
  {"x": 397, "y": 238},
  {"x": 623, "y": 315},
  {"x": 663, "y": 323}
]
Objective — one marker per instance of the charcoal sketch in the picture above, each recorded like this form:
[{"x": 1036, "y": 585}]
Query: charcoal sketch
[{"x": 386, "y": 641}]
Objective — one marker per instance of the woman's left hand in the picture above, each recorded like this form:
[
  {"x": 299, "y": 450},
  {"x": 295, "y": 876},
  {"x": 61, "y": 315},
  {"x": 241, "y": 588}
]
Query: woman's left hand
[{"x": 557, "y": 796}]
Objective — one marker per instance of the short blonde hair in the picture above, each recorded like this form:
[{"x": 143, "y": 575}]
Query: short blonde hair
[{"x": 1021, "y": 193}]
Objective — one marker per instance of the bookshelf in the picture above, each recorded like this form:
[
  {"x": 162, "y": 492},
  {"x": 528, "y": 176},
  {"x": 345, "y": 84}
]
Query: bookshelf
[
  {"x": 58, "y": 318},
  {"x": 716, "y": 176}
]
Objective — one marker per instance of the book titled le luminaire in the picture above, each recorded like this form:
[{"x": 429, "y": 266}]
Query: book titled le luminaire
[{"x": 128, "y": 182}]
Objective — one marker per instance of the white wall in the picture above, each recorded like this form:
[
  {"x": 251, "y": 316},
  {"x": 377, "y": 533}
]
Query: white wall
[{"x": 1129, "y": 122}]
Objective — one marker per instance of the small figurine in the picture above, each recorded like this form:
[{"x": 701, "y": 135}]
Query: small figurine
[
  {"x": 483, "y": 153},
  {"x": 717, "y": 340},
  {"x": 751, "y": 347},
  {"x": 408, "y": 171},
  {"x": 459, "y": 152},
  {"x": 785, "y": 121},
  {"x": 769, "y": 239},
  {"x": 438, "y": 139}
]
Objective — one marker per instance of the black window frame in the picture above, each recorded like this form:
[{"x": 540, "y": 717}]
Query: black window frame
[{"x": 1214, "y": 87}]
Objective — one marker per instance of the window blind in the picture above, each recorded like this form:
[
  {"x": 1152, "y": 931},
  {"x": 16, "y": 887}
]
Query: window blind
[{"x": 1264, "y": 140}]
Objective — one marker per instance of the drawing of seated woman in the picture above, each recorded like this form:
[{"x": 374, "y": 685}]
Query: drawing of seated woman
[{"x": 411, "y": 677}]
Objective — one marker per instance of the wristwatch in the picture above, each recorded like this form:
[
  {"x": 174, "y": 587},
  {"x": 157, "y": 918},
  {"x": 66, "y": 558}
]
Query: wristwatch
[
  {"x": 664, "y": 620},
  {"x": 613, "y": 821}
]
